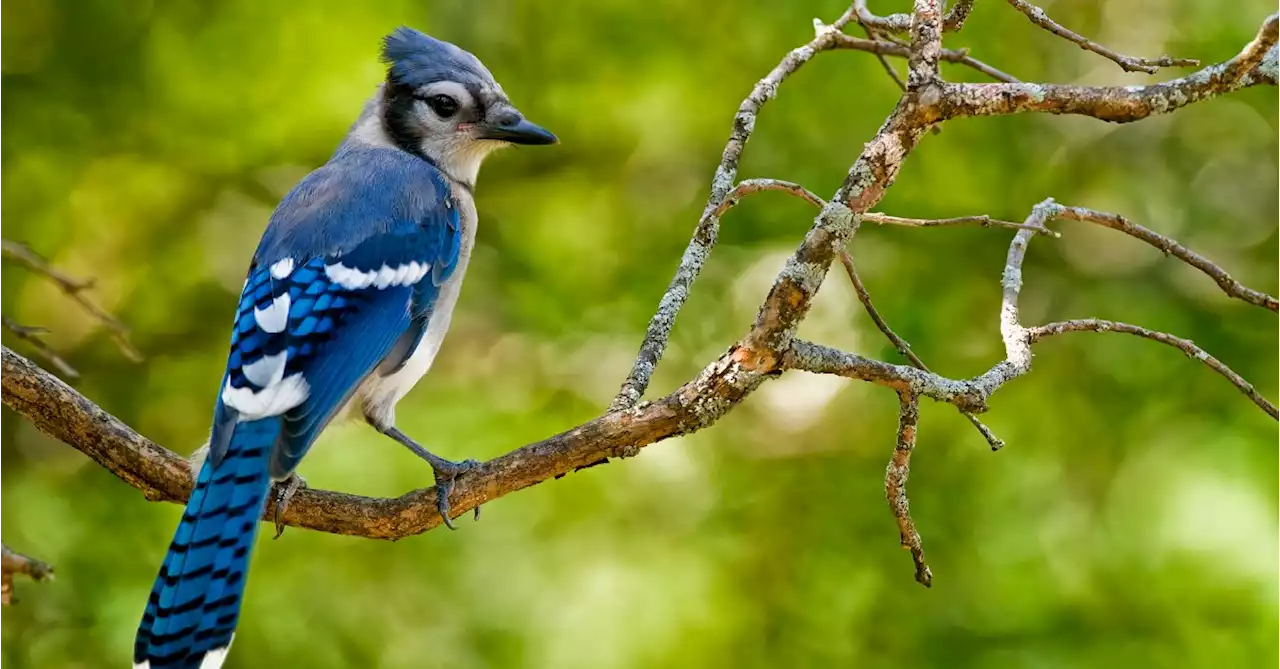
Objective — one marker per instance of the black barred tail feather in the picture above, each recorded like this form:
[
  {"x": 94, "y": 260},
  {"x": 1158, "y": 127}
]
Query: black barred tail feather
[{"x": 195, "y": 602}]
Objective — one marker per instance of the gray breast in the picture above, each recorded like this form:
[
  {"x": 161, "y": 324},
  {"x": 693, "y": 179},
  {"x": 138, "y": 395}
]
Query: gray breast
[{"x": 379, "y": 394}]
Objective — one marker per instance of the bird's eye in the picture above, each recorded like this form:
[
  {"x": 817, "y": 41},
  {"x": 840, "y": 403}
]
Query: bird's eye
[{"x": 443, "y": 105}]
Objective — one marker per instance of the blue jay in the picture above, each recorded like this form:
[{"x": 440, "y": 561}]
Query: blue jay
[{"x": 347, "y": 299}]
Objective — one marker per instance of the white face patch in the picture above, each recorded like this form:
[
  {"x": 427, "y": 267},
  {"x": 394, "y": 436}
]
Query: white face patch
[
  {"x": 275, "y": 317},
  {"x": 272, "y": 400},
  {"x": 384, "y": 277},
  {"x": 282, "y": 268},
  {"x": 458, "y": 151}
]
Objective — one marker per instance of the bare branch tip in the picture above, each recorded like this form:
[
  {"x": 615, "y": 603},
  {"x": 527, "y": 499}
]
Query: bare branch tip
[
  {"x": 895, "y": 483},
  {"x": 13, "y": 563},
  {"x": 1127, "y": 63}
]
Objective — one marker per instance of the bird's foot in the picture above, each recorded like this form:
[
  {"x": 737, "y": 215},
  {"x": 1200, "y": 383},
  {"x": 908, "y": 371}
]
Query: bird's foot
[
  {"x": 282, "y": 492},
  {"x": 446, "y": 471}
]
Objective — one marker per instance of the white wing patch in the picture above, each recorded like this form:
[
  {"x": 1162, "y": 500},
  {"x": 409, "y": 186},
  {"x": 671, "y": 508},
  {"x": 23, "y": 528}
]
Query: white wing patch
[
  {"x": 282, "y": 268},
  {"x": 275, "y": 317},
  {"x": 272, "y": 400},
  {"x": 384, "y": 277},
  {"x": 266, "y": 371},
  {"x": 351, "y": 279}
]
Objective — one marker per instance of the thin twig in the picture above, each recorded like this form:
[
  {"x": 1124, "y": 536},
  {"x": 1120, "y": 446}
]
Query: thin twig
[
  {"x": 1127, "y": 63},
  {"x": 982, "y": 220},
  {"x": 983, "y": 68},
  {"x": 895, "y": 484},
  {"x": 1168, "y": 246},
  {"x": 1185, "y": 345},
  {"x": 749, "y": 186},
  {"x": 901, "y": 344},
  {"x": 12, "y": 563},
  {"x": 31, "y": 335},
  {"x": 75, "y": 289},
  {"x": 884, "y": 62}
]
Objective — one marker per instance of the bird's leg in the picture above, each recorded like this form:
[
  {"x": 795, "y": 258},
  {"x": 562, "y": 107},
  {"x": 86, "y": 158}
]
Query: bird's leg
[
  {"x": 283, "y": 491},
  {"x": 446, "y": 471}
]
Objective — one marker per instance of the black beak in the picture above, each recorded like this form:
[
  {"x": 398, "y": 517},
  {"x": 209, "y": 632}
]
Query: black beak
[{"x": 517, "y": 131}]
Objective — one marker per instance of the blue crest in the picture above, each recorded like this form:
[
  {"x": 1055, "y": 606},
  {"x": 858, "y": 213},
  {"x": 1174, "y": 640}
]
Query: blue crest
[{"x": 417, "y": 59}]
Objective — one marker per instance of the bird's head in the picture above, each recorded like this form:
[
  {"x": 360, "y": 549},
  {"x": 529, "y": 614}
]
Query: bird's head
[{"x": 440, "y": 102}]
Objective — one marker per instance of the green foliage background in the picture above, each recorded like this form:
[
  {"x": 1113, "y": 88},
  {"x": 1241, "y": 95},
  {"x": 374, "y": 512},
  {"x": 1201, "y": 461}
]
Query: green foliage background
[{"x": 1130, "y": 522}]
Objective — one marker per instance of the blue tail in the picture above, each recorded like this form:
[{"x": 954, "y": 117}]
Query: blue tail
[{"x": 195, "y": 601}]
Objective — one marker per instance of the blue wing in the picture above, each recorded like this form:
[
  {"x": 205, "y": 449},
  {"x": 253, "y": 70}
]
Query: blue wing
[{"x": 312, "y": 325}]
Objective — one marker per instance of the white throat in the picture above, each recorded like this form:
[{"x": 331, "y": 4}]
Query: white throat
[{"x": 462, "y": 161}]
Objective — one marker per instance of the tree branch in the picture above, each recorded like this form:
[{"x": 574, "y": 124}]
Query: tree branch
[
  {"x": 1255, "y": 65},
  {"x": 705, "y": 234},
  {"x": 769, "y": 347},
  {"x": 12, "y": 563},
  {"x": 1018, "y": 339}
]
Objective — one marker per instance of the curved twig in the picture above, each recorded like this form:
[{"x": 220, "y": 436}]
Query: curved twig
[
  {"x": 1168, "y": 246},
  {"x": 1188, "y": 347},
  {"x": 1127, "y": 63}
]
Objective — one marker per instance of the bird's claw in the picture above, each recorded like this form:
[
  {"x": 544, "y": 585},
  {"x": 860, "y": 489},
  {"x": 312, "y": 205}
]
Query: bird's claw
[
  {"x": 446, "y": 473},
  {"x": 445, "y": 470},
  {"x": 283, "y": 491}
]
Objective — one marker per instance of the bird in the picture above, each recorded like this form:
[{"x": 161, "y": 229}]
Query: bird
[{"x": 346, "y": 303}]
